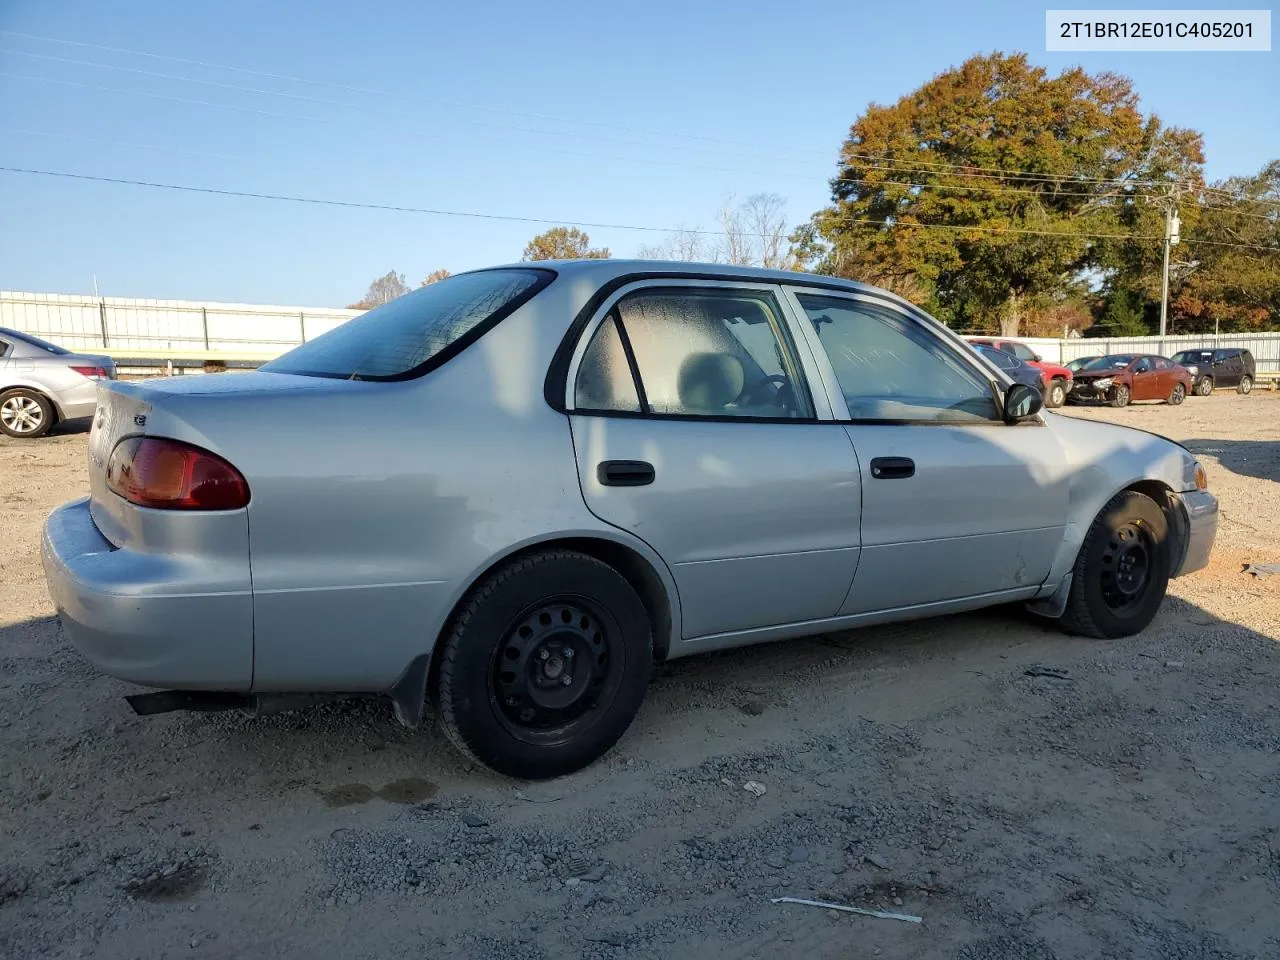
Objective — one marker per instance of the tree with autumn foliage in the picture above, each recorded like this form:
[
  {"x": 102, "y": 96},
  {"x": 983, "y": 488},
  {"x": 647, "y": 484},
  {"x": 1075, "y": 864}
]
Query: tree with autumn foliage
[
  {"x": 563, "y": 243},
  {"x": 977, "y": 194},
  {"x": 435, "y": 276}
]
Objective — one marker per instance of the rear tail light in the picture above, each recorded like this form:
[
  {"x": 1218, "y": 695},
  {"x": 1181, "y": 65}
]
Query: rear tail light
[
  {"x": 93, "y": 373},
  {"x": 170, "y": 475}
]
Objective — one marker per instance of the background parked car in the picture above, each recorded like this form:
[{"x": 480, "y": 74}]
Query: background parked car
[
  {"x": 1232, "y": 367},
  {"x": 1057, "y": 378},
  {"x": 1125, "y": 377},
  {"x": 1011, "y": 365},
  {"x": 1079, "y": 363},
  {"x": 42, "y": 383}
]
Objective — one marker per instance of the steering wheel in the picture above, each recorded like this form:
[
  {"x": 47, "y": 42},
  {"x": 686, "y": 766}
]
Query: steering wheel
[{"x": 779, "y": 395}]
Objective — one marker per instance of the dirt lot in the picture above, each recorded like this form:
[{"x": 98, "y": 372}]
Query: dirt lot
[{"x": 1124, "y": 802}]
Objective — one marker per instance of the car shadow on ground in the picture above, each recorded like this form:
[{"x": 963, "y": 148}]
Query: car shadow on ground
[
  {"x": 1249, "y": 458},
  {"x": 74, "y": 425}
]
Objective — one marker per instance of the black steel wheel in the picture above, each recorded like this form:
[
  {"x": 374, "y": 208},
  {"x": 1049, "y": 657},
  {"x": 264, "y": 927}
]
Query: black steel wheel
[
  {"x": 1122, "y": 571},
  {"x": 545, "y": 665}
]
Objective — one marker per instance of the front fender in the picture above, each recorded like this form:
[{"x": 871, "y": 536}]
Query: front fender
[{"x": 1104, "y": 459}]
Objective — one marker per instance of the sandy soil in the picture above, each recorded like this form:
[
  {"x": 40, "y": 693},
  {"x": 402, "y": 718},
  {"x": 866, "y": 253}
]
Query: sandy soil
[{"x": 1028, "y": 794}]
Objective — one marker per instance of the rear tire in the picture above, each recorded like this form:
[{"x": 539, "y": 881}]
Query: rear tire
[
  {"x": 545, "y": 665},
  {"x": 1179, "y": 394},
  {"x": 25, "y": 414},
  {"x": 1246, "y": 384},
  {"x": 1205, "y": 386},
  {"x": 1122, "y": 571},
  {"x": 1057, "y": 394},
  {"x": 1121, "y": 398}
]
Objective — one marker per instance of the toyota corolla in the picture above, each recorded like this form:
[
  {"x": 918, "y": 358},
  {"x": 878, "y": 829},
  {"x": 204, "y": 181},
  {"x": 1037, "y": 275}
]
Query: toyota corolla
[{"x": 505, "y": 495}]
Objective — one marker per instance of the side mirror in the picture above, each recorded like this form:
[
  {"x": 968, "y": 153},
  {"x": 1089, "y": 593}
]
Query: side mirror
[
  {"x": 1036, "y": 358},
  {"x": 1021, "y": 401}
]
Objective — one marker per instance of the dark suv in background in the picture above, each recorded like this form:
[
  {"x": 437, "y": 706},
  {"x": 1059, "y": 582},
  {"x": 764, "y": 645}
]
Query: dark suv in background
[{"x": 1232, "y": 367}]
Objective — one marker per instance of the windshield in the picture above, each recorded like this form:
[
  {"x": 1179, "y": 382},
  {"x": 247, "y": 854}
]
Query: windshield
[
  {"x": 409, "y": 335},
  {"x": 1110, "y": 363},
  {"x": 37, "y": 342}
]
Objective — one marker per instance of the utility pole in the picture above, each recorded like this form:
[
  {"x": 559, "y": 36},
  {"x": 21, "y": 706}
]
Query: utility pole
[{"x": 1171, "y": 237}]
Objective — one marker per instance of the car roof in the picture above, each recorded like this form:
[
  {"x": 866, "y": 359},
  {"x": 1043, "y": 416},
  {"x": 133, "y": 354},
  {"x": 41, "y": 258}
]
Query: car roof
[{"x": 601, "y": 272}]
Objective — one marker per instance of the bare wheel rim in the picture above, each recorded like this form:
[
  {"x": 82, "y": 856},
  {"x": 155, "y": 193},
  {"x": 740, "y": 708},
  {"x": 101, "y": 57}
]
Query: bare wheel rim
[
  {"x": 557, "y": 669},
  {"x": 1127, "y": 564},
  {"x": 21, "y": 414}
]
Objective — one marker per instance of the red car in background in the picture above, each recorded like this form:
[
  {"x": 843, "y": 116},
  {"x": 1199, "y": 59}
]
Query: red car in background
[{"x": 1057, "y": 378}]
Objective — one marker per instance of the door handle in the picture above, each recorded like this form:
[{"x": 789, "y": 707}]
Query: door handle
[
  {"x": 625, "y": 473},
  {"x": 893, "y": 468}
]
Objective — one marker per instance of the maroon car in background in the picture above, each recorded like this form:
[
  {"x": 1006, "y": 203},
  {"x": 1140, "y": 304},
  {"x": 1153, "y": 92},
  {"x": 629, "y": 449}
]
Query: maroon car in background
[{"x": 1122, "y": 378}]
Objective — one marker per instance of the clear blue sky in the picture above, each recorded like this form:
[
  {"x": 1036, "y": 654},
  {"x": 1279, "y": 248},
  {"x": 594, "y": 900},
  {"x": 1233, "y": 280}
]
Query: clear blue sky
[{"x": 463, "y": 131}]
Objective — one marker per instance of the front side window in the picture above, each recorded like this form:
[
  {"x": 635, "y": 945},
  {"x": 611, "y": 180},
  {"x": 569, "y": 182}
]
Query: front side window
[
  {"x": 400, "y": 339},
  {"x": 700, "y": 353},
  {"x": 891, "y": 368},
  {"x": 1142, "y": 366}
]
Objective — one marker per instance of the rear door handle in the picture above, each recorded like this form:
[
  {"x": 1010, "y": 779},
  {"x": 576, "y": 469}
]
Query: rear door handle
[
  {"x": 625, "y": 473},
  {"x": 893, "y": 468}
]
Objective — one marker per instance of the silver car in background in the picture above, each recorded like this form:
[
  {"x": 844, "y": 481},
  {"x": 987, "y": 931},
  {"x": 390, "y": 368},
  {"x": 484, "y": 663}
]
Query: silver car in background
[
  {"x": 506, "y": 494},
  {"x": 42, "y": 383}
]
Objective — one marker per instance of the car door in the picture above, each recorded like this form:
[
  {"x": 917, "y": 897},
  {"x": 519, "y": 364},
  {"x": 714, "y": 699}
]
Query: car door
[
  {"x": 695, "y": 429},
  {"x": 955, "y": 502},
  {"x": 1227, "y": 368},
  {"x": 1146, "y": 380},
  {"x": 1165, "y": 376}
]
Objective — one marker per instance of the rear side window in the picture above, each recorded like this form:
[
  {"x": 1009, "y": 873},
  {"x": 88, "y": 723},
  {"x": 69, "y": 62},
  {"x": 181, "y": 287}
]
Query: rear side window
[
  {"x": 421, "y": 330},
  {"x": 4, "y": 348}
]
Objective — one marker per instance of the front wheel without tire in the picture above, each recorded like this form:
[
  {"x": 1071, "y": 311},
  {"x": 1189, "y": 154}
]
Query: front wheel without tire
[
  {"x": 1121, "y": 396},
  {"x": 1246, "y": 384},
  {"x": 545, "y": 665},
  {"x": 1122, "y": 571},
  {"x": 25, "y": 414},
  {"x": 1179, "y": 394}
]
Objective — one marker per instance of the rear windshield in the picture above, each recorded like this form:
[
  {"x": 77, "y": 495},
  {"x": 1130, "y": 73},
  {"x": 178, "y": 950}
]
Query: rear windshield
[{"x": 408, "y": 336}]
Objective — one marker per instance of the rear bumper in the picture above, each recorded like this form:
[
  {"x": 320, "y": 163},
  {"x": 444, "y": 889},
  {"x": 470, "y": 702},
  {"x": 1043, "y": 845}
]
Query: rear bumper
[
  {"x": 1201, "y": 509},
  {"x": 161, "y": 620}
]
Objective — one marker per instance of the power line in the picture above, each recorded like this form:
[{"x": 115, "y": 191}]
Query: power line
[{"x": 398, "y": 208}]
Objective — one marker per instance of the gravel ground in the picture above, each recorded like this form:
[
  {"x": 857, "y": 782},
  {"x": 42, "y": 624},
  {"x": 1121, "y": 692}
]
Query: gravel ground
[{"x": 1028, "y": 794}]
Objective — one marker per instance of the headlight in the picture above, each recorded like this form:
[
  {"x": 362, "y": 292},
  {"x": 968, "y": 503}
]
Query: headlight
[
  {"x": 1103, "y": 383},
  {"x": 1193, "y": 370},
  {"x": 1202, "y": 478}
]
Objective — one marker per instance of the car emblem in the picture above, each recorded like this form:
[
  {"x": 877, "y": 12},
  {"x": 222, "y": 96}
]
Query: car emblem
[{"x": 140, "y": 419}]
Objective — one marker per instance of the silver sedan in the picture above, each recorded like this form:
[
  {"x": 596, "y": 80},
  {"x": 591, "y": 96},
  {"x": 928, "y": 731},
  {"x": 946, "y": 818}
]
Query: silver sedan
[
  {"x": 507, "y": 494},
  {"x": 42, "y": 383}
]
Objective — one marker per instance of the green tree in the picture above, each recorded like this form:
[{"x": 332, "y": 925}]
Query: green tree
[
  {"x": 563, "y": 243},
  {"x": 975, "y": 194},
  {"x": 1225, "y": 287},
  {"x": 1122, "y": 316}
]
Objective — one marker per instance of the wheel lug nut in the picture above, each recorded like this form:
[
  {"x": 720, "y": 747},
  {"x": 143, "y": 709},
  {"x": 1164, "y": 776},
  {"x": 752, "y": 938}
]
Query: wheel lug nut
[
  {"x": 568, "y": 653},
  {"x": 566, "y": 680},
  {"x": 543, "y": 654}
]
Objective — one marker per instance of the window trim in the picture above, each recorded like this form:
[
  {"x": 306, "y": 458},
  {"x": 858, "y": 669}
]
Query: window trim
[
  {"x": 946, "y": 338},
  {"x": 604, "y": 307}
]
